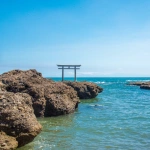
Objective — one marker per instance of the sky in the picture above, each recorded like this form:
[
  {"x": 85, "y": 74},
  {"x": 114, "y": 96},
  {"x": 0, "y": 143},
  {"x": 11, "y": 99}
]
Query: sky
[{"x": 108, "y": 38}]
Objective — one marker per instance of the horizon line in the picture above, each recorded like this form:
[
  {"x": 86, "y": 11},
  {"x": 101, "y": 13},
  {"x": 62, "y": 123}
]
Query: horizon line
[{"x": 105, "y": 77}]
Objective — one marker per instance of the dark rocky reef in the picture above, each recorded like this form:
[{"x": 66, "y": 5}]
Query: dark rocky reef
[
  {"x": 85, "y": 90},
  {"x": 143, "y": 85},
  {"x": 17, "y": 119},
  {"x": 138, "y": 83},
  {"x": 49, "y": 98}
]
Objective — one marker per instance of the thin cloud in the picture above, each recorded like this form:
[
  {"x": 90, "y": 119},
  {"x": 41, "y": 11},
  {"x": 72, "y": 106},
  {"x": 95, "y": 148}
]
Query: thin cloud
[{"x": 88, "y": 73}]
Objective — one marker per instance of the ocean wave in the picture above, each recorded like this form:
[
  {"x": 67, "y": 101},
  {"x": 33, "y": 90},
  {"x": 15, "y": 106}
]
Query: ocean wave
[
  {"x": 109, "y": 83},
  {"x": 137, "y": 80},
  {"x": 100, "y": 82}
]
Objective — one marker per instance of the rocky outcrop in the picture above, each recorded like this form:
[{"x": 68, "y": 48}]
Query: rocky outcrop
[
  {"x": 143, "y": 85},
  {"x": 85, "y": 90},
  {"x": 48, "y": 97},
  {"x": 138, "y": 83},
  {"x": 7, "y": 142},
  {"x": 17, "y": 119},
  {"x": 24, "y": 94}
]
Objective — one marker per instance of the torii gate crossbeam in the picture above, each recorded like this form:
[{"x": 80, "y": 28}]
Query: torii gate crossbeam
[{"x": 75, "y": 67}]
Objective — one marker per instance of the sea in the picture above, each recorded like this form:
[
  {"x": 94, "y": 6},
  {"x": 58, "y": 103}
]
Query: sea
[{"x": 117, "y": 119}]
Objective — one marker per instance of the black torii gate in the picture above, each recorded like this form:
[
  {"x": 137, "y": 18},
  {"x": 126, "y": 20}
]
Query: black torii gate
[{"x": 68, "y": 67}]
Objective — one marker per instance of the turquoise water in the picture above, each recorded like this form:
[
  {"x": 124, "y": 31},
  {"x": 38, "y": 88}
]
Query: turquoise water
[{"x": 118, "y": 118}]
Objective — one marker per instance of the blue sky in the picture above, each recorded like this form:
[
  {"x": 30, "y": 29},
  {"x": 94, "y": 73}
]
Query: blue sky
[{"x": 107, "y": 37}]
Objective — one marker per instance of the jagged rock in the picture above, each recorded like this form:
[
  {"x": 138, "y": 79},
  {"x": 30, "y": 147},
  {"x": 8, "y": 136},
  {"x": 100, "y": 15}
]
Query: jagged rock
[
  {"x": 17, "y": 117},
  {"x": 7, "y": 142},
  {"x": 85, "y": 90},
  {"x": 49, "y": 98}
]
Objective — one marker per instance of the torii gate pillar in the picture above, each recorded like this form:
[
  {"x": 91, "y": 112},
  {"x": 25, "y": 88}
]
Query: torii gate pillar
[{"x": 75, "y": 67}]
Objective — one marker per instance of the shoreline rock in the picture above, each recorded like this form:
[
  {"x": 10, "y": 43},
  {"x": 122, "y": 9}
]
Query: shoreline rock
[
  {"x": 85, "y": 90},
  {"x": 49, "y": 98},
  {"x": 17, "y": 117}
]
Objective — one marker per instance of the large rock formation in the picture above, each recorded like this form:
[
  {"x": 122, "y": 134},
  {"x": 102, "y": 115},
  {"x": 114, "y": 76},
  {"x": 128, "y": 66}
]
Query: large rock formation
[
  {"x": 25, "y": 93},
  {"x": 85, "y": 90},
  {"x": 17, "y": 119},
  {"x": 143, "y": 85},
  {"x": 49, "y": 98}
]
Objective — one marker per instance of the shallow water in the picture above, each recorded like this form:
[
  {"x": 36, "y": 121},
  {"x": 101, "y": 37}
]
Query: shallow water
[{"x": 118, "y": 118}]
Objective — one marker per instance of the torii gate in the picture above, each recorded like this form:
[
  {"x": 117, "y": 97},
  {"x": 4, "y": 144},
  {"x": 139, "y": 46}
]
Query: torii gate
[{"x": 68, "y": 67}]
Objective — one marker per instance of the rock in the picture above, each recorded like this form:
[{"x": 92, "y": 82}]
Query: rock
[
  {"x": 49, "y": 98},
  {"x": 17, "y": 118},
  {"x": 138, "y": 83},
  {"x": 143, "y": 85},
  {"x": 7, "y": 142},
  {"x": 85, "y": 90},
  {"x": 2, "y": 87}
]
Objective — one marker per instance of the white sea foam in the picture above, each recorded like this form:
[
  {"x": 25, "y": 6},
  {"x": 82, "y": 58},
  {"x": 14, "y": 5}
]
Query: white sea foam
[
  {"x": 100, "y": 82},
  {"x": 105, "y": 83},
  {"x": 137, "y": 80}
]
